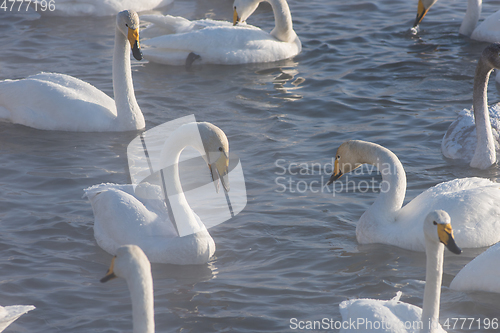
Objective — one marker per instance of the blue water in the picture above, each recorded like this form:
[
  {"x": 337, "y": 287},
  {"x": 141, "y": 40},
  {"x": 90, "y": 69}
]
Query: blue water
[{"x": 289, "y": 254}]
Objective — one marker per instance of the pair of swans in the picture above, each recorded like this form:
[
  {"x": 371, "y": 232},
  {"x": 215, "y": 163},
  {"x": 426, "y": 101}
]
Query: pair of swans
[
  {"x": 487, "y": 31},
  {"x": 218, "y": 42},
  {"x": 395, "y": 314},
  {"x": 51, "y": 101},
  {"x": 124, "y": 216}
]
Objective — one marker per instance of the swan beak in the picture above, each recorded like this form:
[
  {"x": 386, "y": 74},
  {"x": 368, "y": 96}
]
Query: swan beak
[
  {"x": 220, "y": 170},
  {"x": 421, "y": 11},
  {"x": 133, "y": 39},
  {"x": 445, "y": 233},
  {"x": 336, "y": 172},
  {"x": 236, "y": 19},
  {"x": 110, "y": 275}
]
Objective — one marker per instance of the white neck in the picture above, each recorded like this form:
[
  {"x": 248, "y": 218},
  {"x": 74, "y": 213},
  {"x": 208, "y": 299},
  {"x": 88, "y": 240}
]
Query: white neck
[
  {"x": 471, "y": 17},
  {"x": 140, "y": 285},
  {"x": 432, "y": 292},
  {"x": 393, "y": 186},
  {"x": 485, "y": 154},
  {"x": 129, "y": 114},
  {"x": 283, "y": 29},
  {"x": 186, "y": 135}
]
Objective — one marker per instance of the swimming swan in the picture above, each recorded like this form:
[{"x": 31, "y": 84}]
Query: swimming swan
[
  {"x": 471, "y": 202},
  {"x": 218, "y": 42},
  {"x": 481, "y": 274},
  {"x": 472, "y": 135},
  {"x": 121, "y": 218},
  {"x": 395, "y": 314},
  {"x": 131, "y": 263},
  {"x": 9, "y": 314},
  {"x": 487, "y": 31},
  {"x": 51, "y": 101}
]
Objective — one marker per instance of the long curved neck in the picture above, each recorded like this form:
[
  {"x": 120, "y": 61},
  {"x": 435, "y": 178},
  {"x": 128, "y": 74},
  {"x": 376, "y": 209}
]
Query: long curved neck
[
  {"x": 283, "y": 29},
  {"x": 141, "y": 293},
  {"x": 129, "y": 114},
  {"x": 186, "y": 135},
  {"x": 484, "y": 154},
  {"x": 471, "y": 17},
  {"x": 432, "y": 292},
  {"x": 393, "y": 186}
]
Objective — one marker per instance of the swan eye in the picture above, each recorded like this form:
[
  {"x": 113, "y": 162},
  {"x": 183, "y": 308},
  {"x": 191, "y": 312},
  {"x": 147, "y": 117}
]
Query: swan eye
[
  {"x": 434, "y": 222},
  {"x": 126, "y": 24},
  {"x": 338, "y": 156},
  {"x": 220, "y": 149}
]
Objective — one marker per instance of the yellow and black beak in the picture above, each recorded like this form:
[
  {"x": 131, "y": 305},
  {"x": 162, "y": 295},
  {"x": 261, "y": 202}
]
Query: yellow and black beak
[
  {"x": 421, "y": 11},
  {"x": 337, "y": 173},
  {"x": 236, "y": 18},
  {"x": 220, "y": 170},
  {"x": 110, "y": 275},
  {"x": 133, "y": 39},
  {"x": 445, "y": 233}
]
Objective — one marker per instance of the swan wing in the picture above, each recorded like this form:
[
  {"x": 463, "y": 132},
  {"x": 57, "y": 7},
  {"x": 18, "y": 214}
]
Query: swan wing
[
  {"x": 9, "y": 314},
  {"x": 220, "y": 45},
  {"x": 481, "y": 273},
  {"x": 488, "y": 30},
  {"x": 53, "y": 101},
  {"x": 472, "y": 204}
]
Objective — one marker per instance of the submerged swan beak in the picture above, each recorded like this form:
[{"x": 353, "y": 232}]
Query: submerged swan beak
[
  {"x": 336, "y": 173},
  {"x": 445, "y": 233},
  {"x": 236, "y": 18},
  {"x": 133, "y": 39},
  {"x": 421, "y": 11},
  {"x": 110, "y": 275},
  {"x": 220, "y": 170}
]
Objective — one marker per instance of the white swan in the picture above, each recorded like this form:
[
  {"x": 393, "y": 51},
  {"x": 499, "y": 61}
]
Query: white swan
[
  {"x": 487, "y": 31},
  {"x": 132, "y": 264},
  {"x": 51, "y": 101},
  {"x": 99, "y": 7},
  {"x": 396, "y": 316},
  {"x": 217, "y": 42},
  {"x": 474, "y": 135},
  {"x": 471, "y": 202},
  {"x": 121, "y": 217},
  {"x": 481, "y": 274},
  {"x": 9, "y": 314}
]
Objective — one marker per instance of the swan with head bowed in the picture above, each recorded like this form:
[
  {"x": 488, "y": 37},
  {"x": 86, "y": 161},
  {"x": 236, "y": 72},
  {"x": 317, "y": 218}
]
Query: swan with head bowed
[
  {"x": 474, "y": 135},
  {"x": 217, "y": 42},
  {"x": 131, "y": 264},
  {"x": 395, "y": 314},
  {"x": 167, "y": 231},
  {"x": 51, "y": 101},
  {"x": 471, "y": 202},
  {"x": 487, "y": 31}
]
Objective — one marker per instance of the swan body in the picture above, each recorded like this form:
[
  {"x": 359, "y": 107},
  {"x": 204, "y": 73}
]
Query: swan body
[
  {"x": 141, "y": 217},
  {"x": 402, "y": 317},
  {"x": 131, "y": 263},
  {"x": 9, "y": 314},
  {"x": 51, "y": 101},
  {"x": 481, "y": 274},
  {"x": 218, "y": 42},
  {"x": 474, "y": 135},
  {"x": 487, "y": 31},
  {"x": 471, "y": 202},
  {"x": 103, "y": 8}
]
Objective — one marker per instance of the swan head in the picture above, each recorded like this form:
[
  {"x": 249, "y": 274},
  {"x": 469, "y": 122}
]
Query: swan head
[
  {"x": 243, "y": 9},
  {"x": 423, "y": 8},
  {"x": 491, "y": 55},
  {"x": 437, "y": 228},
  {"x": 129, "y": 260},
  {"x": 349, "y": 156},
  {"x": 127, "y": 22},
  {"x": 216, "y": 148}
]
